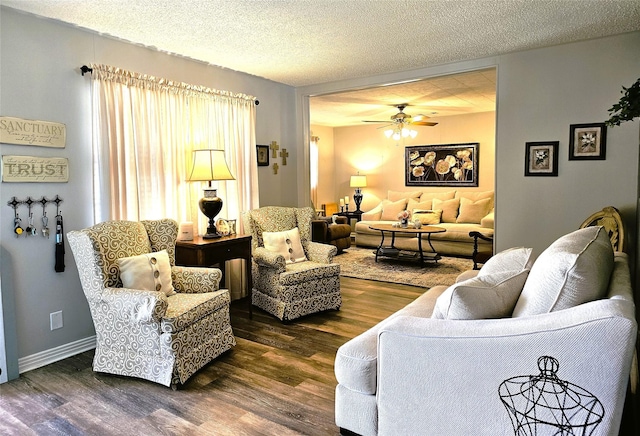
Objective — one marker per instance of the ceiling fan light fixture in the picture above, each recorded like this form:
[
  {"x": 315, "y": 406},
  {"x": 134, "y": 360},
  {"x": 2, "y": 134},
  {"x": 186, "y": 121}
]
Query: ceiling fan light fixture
[{"x": 388, "y": 133}]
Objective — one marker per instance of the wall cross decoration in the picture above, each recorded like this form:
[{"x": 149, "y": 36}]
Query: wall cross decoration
[
  {"x": 275, "y": 168},
  {"x": 274, "y": 148},
  {"x": 284, "y": 155}
]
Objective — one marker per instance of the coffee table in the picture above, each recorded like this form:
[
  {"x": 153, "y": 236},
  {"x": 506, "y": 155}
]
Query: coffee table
[{"x": 392, "y": 251}]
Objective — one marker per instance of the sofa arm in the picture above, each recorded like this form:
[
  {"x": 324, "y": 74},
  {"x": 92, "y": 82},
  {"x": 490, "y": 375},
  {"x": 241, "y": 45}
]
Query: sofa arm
[
  {"x": 195, "y": 279},
  {"x": 444, "y": 377},
  {"x": 488, "y": 220},
  {"x": 135, "y": 305}
]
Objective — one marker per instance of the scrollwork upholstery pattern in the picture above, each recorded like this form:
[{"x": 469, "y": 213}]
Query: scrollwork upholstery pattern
[
  {"x": 145, "y": 333},
  {"x": 289, "y": 291}
]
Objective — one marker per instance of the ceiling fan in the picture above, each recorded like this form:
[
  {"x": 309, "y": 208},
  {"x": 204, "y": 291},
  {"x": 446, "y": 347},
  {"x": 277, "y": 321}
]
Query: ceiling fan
[{"x": 402, "y": 118}]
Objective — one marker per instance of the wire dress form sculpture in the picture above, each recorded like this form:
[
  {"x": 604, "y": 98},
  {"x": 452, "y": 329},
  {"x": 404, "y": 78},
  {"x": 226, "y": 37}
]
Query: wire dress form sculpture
[{"x": 545, "y": 405}]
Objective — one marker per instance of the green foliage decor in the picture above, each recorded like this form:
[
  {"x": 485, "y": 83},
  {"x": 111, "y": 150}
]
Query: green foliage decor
[{"x": 628, "y": 107}]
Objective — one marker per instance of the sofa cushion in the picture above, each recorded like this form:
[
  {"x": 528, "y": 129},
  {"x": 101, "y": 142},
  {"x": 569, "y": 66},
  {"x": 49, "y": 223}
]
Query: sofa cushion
[
  {"x": 427, "y": 217},
  {"x": 490, "y": 296},
  {"x": 149, "y": 271},
  {"x": 428, "y": 197},
  {"x": 473, "y": 211},
  {"x": 401, "y": 195},
  {"x": 573, "y": 270},
  {"x": 286, "y": 243},
  {"x": 512, "y": 259},
  {"x": 449, "y": 209},
  {"x": 390, "y": 209}
]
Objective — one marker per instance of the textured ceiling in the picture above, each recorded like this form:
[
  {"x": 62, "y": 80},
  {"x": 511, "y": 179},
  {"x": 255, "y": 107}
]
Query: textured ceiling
[{"x": 304, "y": 42}]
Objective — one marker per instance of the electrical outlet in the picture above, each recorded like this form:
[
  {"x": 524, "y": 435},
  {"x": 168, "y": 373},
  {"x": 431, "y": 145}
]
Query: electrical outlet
[{"x": 55, "y": 319}]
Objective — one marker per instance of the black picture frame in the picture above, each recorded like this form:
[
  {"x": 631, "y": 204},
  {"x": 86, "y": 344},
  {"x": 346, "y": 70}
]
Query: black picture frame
[
  {"x": 442, "y": 164},
  {"x": 262, "y": 153},
  {"x": 541, "y": 159},
  {"x": 588, "y": 141}
]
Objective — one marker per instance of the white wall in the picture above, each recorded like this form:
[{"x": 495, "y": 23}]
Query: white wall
[{"x": 40, "y": 79}]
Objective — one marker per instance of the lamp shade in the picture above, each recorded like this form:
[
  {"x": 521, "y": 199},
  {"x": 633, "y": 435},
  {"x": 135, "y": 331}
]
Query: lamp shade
[
  {"x": 209, "y": 165},
  {"x": 358, "y": 181}
]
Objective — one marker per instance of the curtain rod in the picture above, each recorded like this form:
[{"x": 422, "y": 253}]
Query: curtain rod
[{"x": 84, "y": 69}]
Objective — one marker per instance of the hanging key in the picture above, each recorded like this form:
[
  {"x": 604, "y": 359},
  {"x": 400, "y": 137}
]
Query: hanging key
[
  {"x": 31, "y": 230},
  {"x": 45, "y": 222},
  {"x": 16, "y": 226}
]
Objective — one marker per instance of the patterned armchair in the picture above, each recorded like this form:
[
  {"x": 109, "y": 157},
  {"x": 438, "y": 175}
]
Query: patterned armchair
[
  {"x": 291, "y": 290},
  {"x": 164, "y": 334}
]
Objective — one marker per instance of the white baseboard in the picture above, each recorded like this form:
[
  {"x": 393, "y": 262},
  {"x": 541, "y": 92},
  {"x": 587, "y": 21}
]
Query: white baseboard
[{"x": 52, "y": 355}]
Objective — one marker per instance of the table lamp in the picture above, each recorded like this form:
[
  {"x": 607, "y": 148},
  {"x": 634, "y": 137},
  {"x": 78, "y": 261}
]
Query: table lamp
[
  {"x": 358, "y": 182},
  {"x": 210, "y": 165}
]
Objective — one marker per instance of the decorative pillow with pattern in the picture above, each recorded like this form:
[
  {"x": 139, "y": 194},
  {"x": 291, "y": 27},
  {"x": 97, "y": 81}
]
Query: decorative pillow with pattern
[
  {"x": 149, "y": 272},
  {"x": 286, "y": 243},
  {"x": 491, "y": 296},
  {"x": 427, "y": 217}
]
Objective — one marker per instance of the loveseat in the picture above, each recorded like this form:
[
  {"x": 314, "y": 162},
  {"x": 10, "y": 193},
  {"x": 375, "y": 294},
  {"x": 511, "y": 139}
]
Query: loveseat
[
  {"x": 459, "y": 212},
  {"x": 518, "y": 347}
]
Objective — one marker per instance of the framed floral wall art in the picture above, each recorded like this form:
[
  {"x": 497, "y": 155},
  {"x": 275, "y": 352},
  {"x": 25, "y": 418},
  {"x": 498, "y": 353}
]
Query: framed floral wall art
[
  {"x": 442, "y": 165},
  {"x": 588, "y": 141},
  {"x": 541, "y": 158}
]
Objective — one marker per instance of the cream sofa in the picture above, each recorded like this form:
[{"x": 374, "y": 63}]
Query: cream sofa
[
  {"x": 461, "y": 212},
  {"x": 511, "y": 349}
]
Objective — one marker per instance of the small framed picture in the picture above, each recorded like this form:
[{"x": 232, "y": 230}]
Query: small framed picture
[
  {"x": 541, "y": 158},
  {"x": 588, "y": 141},
  {"x": 263, "y": 155}
]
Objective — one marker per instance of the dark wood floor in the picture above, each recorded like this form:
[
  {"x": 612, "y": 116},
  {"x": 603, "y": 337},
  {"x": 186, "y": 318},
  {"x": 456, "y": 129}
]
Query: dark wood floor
[{"x": 278, "y": 380}]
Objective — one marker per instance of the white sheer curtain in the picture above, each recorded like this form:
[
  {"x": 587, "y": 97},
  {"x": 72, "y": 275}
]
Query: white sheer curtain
[{"x": 144, "y": 131}]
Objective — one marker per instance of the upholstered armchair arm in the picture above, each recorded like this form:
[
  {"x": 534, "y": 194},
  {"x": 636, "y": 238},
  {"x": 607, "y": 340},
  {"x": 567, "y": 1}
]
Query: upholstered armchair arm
[
  {"x": 194, "y": 280},
  {"x": 136, "y": 305},
  {"x": 267, "y": 258},
  {"x": 321, "y": 253}
]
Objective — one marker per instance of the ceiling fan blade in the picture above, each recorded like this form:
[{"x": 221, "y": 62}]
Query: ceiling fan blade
[
  {"x": 372, "y": 121},
  {"x": 424, "y": 123}
]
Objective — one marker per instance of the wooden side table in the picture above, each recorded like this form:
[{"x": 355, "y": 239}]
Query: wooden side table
[
  {"x": 357, "y": 215},
  {"x": 209, "y": 252}
]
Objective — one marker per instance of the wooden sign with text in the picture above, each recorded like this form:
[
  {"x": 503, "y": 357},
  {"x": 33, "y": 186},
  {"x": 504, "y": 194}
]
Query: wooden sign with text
[
  {"x": 30, "y": 132},
  {"x": 35, "y": 169}
]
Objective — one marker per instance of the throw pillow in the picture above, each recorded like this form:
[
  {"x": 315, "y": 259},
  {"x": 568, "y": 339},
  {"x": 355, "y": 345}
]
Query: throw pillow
[
  {"x": 427, "y": 217},
  {"x": 149, "y": 272},
  {"x": 491, "y": 296},
  {"x": 573, "y": 270},
  {"x": 449, "y": 209},
  {"x": 286, "y": 243},
  {"x": 476, "y": 195},
  {"x": 402, "y": 195},
  {"x": 390, "y": 210},
  {"x": 414, "y": 204},
  {"x": 512, "y": 259},
  {"x": 473, "y": 211},
  {"x": 373, "y": 215}
]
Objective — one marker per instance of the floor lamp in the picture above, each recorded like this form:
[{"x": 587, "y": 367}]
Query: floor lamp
[{"x": 210, "y": 165}]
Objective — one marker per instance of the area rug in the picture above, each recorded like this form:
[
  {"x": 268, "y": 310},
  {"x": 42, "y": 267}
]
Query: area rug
[{"x": 361, "y": 263}]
